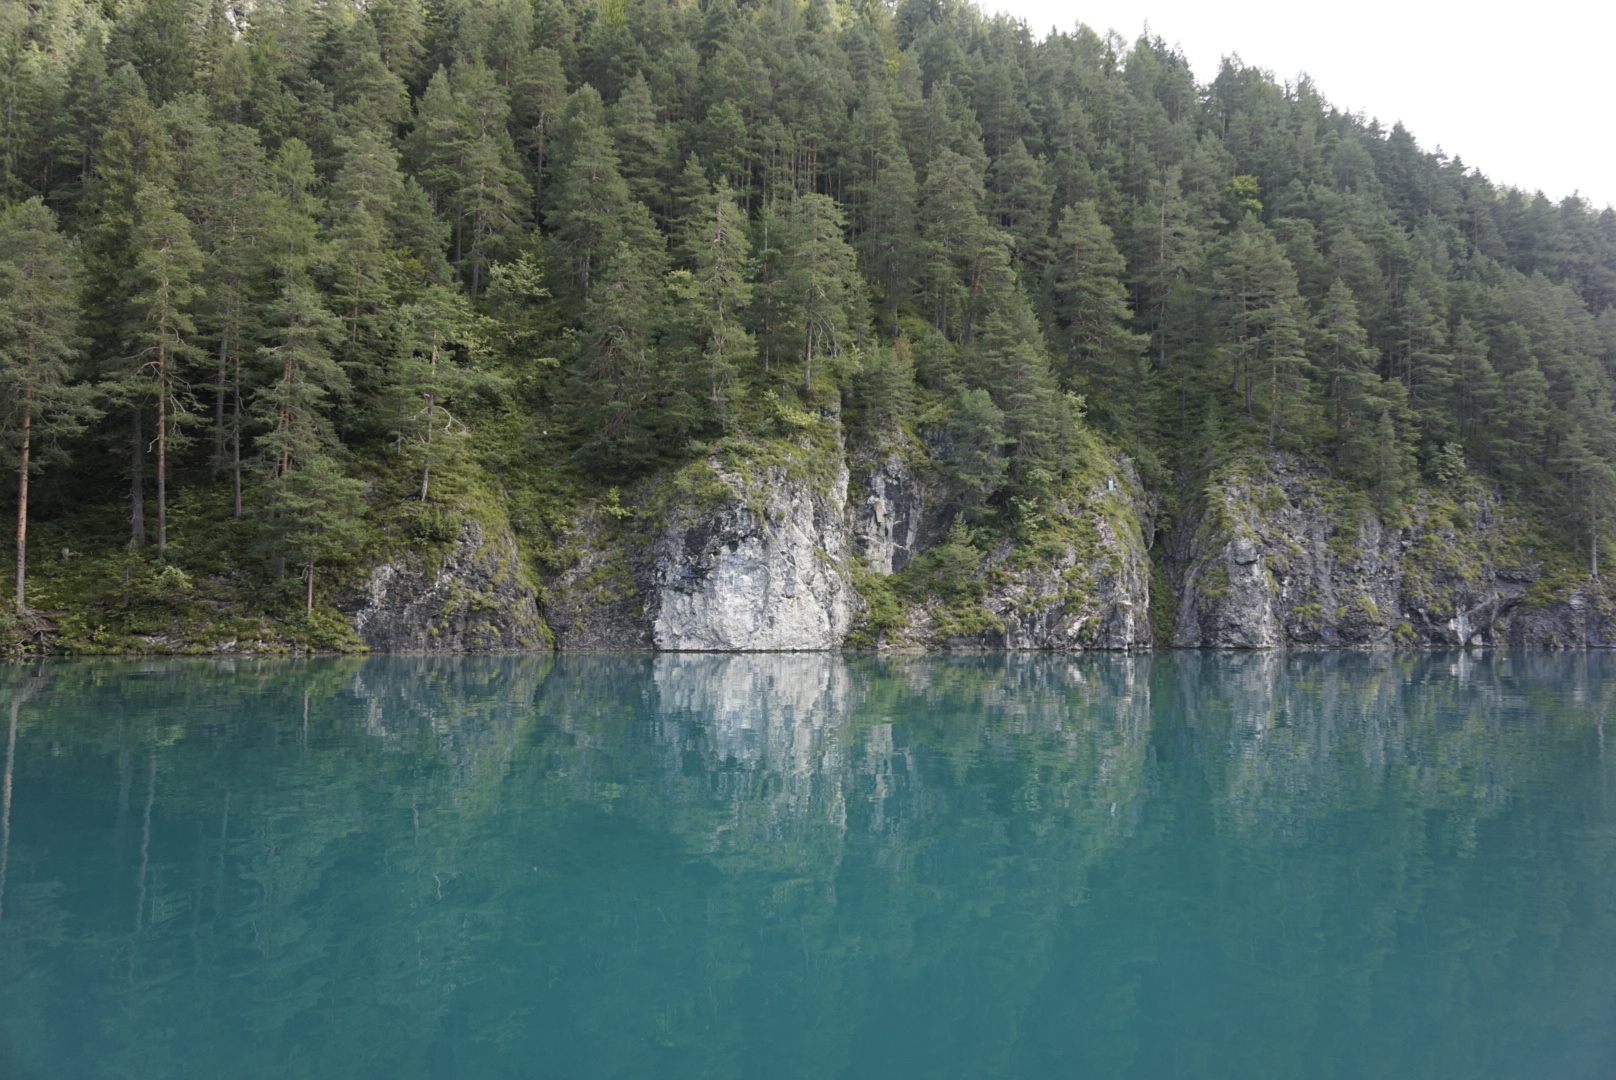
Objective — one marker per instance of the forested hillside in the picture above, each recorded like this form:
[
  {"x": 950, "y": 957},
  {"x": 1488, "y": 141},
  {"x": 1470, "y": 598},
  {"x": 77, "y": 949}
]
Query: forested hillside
[{"x": 277, "y": 278}]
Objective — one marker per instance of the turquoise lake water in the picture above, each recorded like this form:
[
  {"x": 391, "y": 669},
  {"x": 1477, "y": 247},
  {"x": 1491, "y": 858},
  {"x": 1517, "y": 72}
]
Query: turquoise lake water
[{"x": 772, "y": 866}]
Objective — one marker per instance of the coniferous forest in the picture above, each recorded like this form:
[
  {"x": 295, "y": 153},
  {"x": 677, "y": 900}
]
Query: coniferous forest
[{"x": 282, "y": 279}]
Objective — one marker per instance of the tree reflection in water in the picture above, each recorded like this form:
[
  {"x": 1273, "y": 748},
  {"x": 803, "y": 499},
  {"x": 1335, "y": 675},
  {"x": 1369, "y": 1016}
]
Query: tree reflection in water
[{"x": 1263, "y": 865}]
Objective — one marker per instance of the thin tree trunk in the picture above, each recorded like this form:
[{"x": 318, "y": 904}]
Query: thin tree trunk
[
  {"x": 235, "y": 433},
  {"x": 308, "y": 603},
  {"x": 218, "y": 403},
  {"x": 137, "y": 482},
  {"x": 162, "y": 452},
  {"x": 431, "y": 410},
  {"x": 287, "y": 372},
  {"x": 1273, "y": 402},
  {"x": 22, "y": 501}
]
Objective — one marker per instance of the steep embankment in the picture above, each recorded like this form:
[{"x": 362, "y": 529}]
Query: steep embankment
[
  {"x": 1280, "y": 554},
  {"x": 724, "y": 555},
  {"x": 476, "y": 597},
  {"x": 803, "y": 546},
  {"x": 802, "y": 543},
  {"x": 1073, "y": 574}
]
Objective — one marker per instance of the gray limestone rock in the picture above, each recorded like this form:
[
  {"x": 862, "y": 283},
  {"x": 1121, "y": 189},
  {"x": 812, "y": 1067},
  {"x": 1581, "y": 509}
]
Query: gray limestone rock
[
  {"x": 1283, "y": 555},
  {"x": 477, "y": 600},
  {"x": 763, "y": 567},
  {"x": 1583, "y": 617},
  {"x": 892, "y": 516},
  {"x": 751, "y": 577},
  {"x": 1080, "y": 580}
]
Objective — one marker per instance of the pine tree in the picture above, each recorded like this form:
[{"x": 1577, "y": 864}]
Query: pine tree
[
  {"x": 957, "y": 244},
  {"x": 1475, "y": 385},
  {"x": 1104, "y": 356},
  {"x": 365, "y": 93},
  {"x": 400, "y": 36},
  {"x": 593, "y": 198},
  {"x": 156, "y": 37},
  {"x": 131, "y": 151},
  {"x": 234, "y": 220},
  {"x": 365, "y": 256},
  {"x": 1352, "y": 385},
  {"x": 161, "y": 286},
  {"x": 885, "y": 194},
  {"x": 1010, "y": 362},
  {"x": 538, "y": 99},
  {"x": 303, "y": 376},
  {"x": 318, "y": 511},
  {"x": 642, "y": 146},
  {"x": 1421, "y": 357},
  {"x": 821, "y": 278},
  {"x": 1586, "y": 455},
  {"x": 432, "y": 149},
  {"x": 1166, "y": 255},
  {"x": 39, "y": 403},
  {"x": 716, "y": 294},
  {"x": 491, "y": 197},
  {"x": 976, "y": 435},
  {"x": 425, "y": 379},
  {"x": 1393, "y": 469},
  {"x": 76, "y": 128},
  {"x": 628, "y": 407},
  {"x": 1022, "y": 194},
  {"x": 1264, "y": 321}
]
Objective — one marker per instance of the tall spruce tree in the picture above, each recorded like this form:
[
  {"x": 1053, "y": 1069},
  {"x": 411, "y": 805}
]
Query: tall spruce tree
[
  {"x": 161, "y": 286},
  {"x": 490, "y": 200},
  {"x": 302, "y": 375},
  {"x": 425, "y": 378},
  {"x": 627, "y": 405},
  {"x": 593, "y": 201},
  {"x": 231, "y": 233},
  {"x": 40, "y": 404},
  {"x": 821, "y": 280},
  {"x": 717, "y": 293},
  {"x": 1264, "y": 321},
  {"x": 1105, "y": 358}
]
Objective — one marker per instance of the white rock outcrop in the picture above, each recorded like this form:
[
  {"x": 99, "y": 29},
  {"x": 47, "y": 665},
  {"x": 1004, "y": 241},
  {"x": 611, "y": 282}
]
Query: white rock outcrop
[{"x": 748, "y": 576}]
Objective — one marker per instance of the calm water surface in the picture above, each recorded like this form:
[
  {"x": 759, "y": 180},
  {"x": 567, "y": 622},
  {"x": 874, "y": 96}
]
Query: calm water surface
[{"x": 1183, "y": 865}]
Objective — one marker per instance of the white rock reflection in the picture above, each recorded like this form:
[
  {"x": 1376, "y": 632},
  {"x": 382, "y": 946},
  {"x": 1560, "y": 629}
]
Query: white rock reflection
[
  {"x": 813, "y": 746},
  {"x": 771, "y": 731}
]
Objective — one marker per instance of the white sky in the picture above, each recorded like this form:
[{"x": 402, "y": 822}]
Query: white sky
[{"x": 1525, "y": 92}]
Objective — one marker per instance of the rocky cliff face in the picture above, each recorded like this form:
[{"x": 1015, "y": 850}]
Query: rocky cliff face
[
  {"x": 1078, "y": 578},
  {"x": 894, "y": 512},
  {"x": 1283, "y": 555},
  {"x": 763, "y": 558},
  {"x": 765, "y": 573},
  {"x": 733, "y": 562},
  {"x": 1580, "y": 616},
  {"x": 478, "y": 599},
  {"x": 1089, "y": 589}
]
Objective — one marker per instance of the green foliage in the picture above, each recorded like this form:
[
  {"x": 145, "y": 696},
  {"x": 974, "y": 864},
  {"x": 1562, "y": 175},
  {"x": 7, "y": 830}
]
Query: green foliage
[
  {"x": 884, "y": 610},
  {"x": 568, "y": 248},
  {"x": 949, "y": 570}
]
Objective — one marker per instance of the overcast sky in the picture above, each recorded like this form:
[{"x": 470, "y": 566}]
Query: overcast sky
[{"x": 1525, "y": 92}]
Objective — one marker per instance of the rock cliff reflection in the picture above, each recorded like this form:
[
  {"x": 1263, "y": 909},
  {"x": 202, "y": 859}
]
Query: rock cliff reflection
[{"x": 742, "y": 865}]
